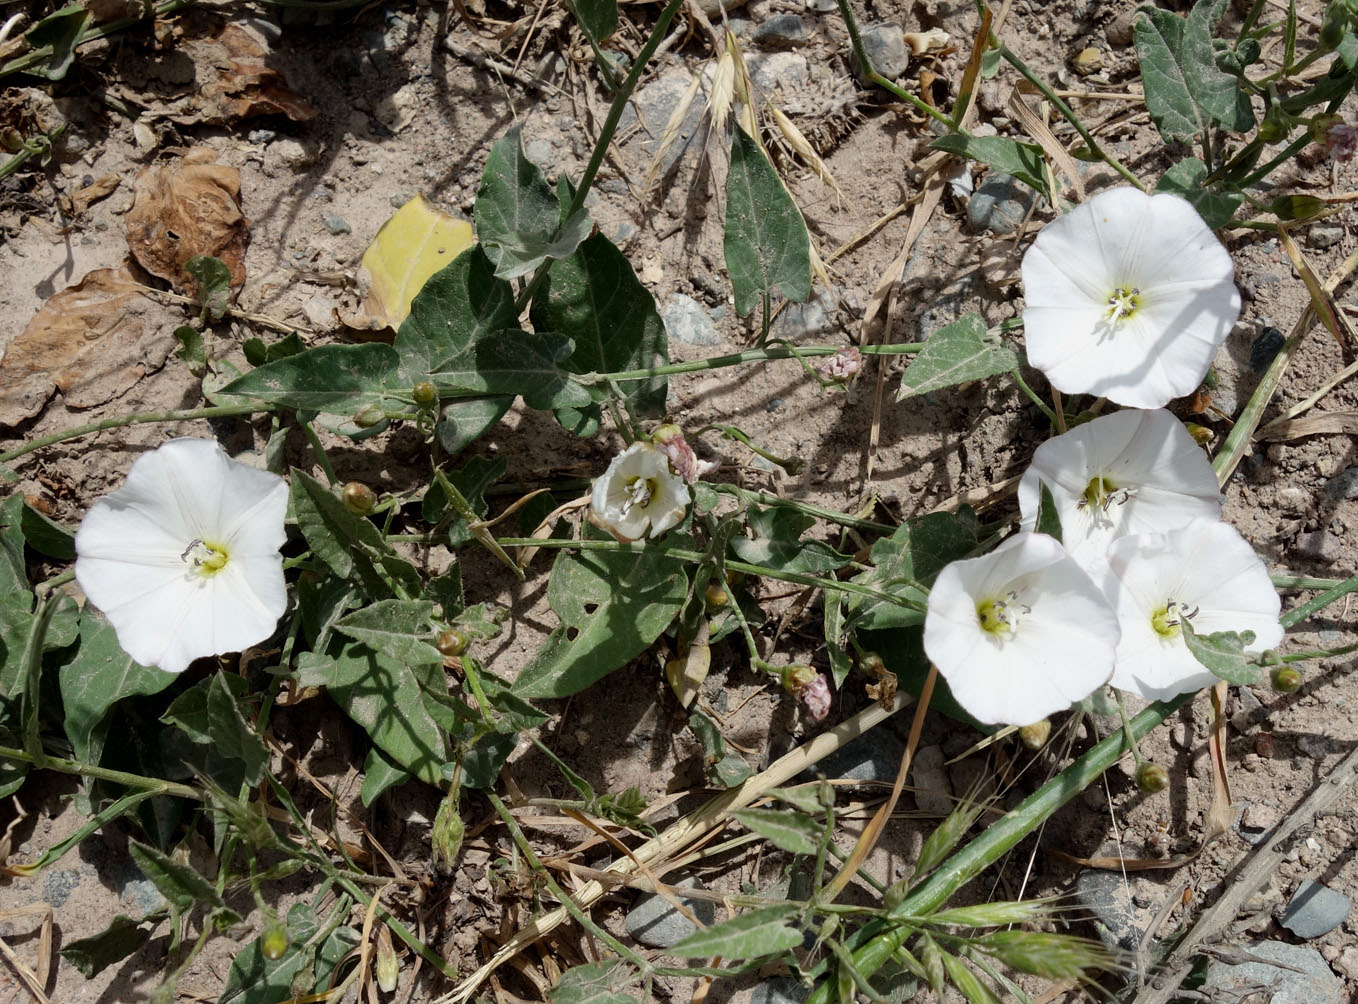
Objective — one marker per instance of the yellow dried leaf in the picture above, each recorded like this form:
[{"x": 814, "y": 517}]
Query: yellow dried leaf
[{"x": 415, "y": 243}]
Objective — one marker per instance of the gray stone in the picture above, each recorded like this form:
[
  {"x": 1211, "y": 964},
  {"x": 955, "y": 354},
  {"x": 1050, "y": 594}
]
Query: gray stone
[
  {"x": 1319, "y": 544},
  {"x": 1317, "y": 747},
  {"x": 782, "y": 31},
  {"x": 686, "y": 320},
  {"x": 1325, "y": 235},
  {"x": 261, "y": 136},
  {"x": 540, "y": 152},
  {"x": 1256, "y": 822},
  {"x": 1315, "y": 909},
  {"x": 814, "y": 319},
  {"x": 1117, "y": 921},
  {"x": 57, "y": 887},
  {"x": 1315, "y": 984},
  {"x": 930, "y": 781},
  {"x": 780, "y": 990},
  {"x": 713, "y": 8},
  {"x": 656, "y": 102},
  {"x": 1343, "y": 485},
  {"x": 822, "y": 6},
  {"x": 1000, "y": 204},
  {"x": 623, "y": 232},
  {"x": 657, "y": 924},
  {"x": 886, "y": 50},
  {"x": 873, "y": 756},
  {"x": 777, "y": 69},
  {"x": 336, "y": 224}
]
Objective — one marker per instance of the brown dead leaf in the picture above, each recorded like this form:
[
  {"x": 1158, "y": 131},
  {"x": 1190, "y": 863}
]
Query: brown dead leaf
[
  {"x": 100, "y": 188},
  {"x": 28, "y": 111},
  {"x": 1343, "y": 423},
  {"x": 235, "y": 78},
  {"x": 186, "y": 208},
  {"x": 113, "y": 10},
  {"x": 93, "y": 341}
]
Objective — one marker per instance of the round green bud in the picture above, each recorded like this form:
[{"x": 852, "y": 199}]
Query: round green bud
[
  {"x": 446, "y": 838},
  {"x": 716, "y": 597},
  {"x": 274, "y": 942},
  {"x": 453, "y": 642},
  {"x": 368, "y": 416},
  {"x": 358, "y": 498},
  {"x": 1151, "y": 777},
  {"x": 1285, "y": 680},
  {"x": 871, "y": 664},
  {"x": 425, "y": 393}
]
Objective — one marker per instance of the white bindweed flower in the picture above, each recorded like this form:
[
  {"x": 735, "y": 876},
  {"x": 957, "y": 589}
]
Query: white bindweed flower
[
  {"x": 183, "y": 558},
  {"x": 1128, "y": 472},
  {"x": 1128, "y": 297},
  {"x": 1019, "y": 633},
  {"x": 638, "y": 496},
  {"x": 1205, "y": 573}
]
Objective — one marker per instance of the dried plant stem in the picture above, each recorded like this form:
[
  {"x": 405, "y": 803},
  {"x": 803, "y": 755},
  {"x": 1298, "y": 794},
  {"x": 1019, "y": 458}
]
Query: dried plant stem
[
  {"x": 684, "y": 833},
  {"x": 123, "y": 420}
]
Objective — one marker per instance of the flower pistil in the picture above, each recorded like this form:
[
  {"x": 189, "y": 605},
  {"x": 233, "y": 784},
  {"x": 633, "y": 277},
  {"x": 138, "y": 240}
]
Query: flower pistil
[
  {"x": 205, "y": 559},
  {"x": 1168, "y": 620}
]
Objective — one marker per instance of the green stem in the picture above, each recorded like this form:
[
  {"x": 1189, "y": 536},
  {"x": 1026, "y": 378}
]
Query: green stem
[
  {"x": 752, "y": 356},
  {"x": 1301, "y": 613},
  {"x": 44, "y": 53},
  {"x": 868, "y": 73},
  {"x": 105, "y": 815},
  {"x": 997, "y": 840},
  {"x": 1327, "y": 653},
  {"x": 596, "y": 159},
  {"x": 1041, "y": 404},
  {"x": 746, "y": 495},
  {"x": 32, "y": 148},
  {"x": 1303, "y": 582},
  {"x": 680, "y": 554},
  {"x": 151, "y": 785},
  {"x": 321, "y": 459},
  {"x": 125, "y": 420},
  {"x": 1068, "y": 115}
]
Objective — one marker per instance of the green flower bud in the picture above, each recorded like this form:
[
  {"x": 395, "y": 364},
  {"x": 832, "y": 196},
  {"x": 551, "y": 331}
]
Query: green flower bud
[
  {"x": 358, "y": 498},
  {"x": 798, "y": 678},
  {"x": 453, "y": 642},
  {"x": 425, "y": 393},
  {"x": 1297, "y": 207},
  {"x": 1151, "y": 777},
  {"x": 716, "y": 597},
  {"x": 368, "y": 416},
  {"x": 448, "y": 830},
  {"x": 274, "y": 942},
  {"x": 1285, "y": 680}
]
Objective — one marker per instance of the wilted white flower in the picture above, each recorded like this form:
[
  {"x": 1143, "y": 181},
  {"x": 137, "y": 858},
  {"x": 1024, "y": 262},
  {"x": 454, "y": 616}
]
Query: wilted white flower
[
  {"x": 183, "y": 558},
  {"x": 669, "y": 440},
  {"x": 843, "y": 365},
  {"x": 1205, "y": 573},
  {"x": 1019, "y": 633},
  {"x": 1128, "y": 472},
  {"x": 1128, "y": 296},
  {"x": 638, "y": 496}
]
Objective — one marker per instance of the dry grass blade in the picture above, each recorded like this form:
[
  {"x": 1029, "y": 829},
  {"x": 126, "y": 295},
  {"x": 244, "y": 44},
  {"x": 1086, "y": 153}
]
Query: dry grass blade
[
  {"x": 1322, "y": 300},
  {"x": 1341, "y": 423},
  {"x": 802, "y": 147},
  {"x": 1218, "y": 818},
  {"x": 33, "y": 981},
  {"x": 672, "y": 127},
  {"x": 1051, "y": 146},
  {"x": 544, "y": 529},
  {"x": 683, "y": 834},
  {"x": 723, "y": 91}
]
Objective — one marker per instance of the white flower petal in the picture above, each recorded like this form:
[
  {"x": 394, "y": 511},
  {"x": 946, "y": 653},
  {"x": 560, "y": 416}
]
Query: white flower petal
[
  {"x": 1213, "y": 574},
  {"x": 1154, "y": 249},
  {"x": 1058, "y": 650},
  {"x": 148, "y": 555},
  {"x": 618, "y": 508}
]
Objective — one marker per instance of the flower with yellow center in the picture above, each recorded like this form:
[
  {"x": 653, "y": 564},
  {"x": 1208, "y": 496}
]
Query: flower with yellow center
[
  {"x": 1128, "y": 296},
  {"x": 183, "y": 558},
  {"x": 1019, "y": 633},
  {"x": 638, "y": 496}
]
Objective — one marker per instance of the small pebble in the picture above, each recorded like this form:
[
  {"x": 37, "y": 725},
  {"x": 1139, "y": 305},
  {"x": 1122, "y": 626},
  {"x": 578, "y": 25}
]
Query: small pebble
[
  {"x": 782, "y": 31},
  {"x": 1315, "y": 910},
  {"x": 1320, "y": 545},
  {"x": 336, "y": 224},
  {"x": 1343, "y": 485},
  {"x": 1325, "y": 235},
  {"x": 930, "y": 781},
  {"x": 886, "y": 49},
  {"x": 657, "y": 924},
  {"x": 688, "y": 321},
  {"x": 1087, "y": 61},
  {"x": 1120, "y": 30},
  {"x": 780, "y": 990},
  {"x": 1347, "y": 963},
  {"x": 1314, "y": 746},
  {"x": 1000, "y": 204},
  {"x": 1265, "y": 347}
]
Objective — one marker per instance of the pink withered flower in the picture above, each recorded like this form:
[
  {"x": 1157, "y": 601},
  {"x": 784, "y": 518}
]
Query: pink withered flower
[
  {"x": 669, "y": 440},
  {"x": 1336, "y": 137},
  {"x": 809, "y": 687},
  {"x": 844, "y": 365}
]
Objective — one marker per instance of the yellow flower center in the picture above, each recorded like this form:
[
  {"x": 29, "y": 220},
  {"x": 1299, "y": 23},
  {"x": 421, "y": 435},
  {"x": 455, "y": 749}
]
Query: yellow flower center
[
  {"x": 1123, "y": 303},
  {"x": 999, "y": 616},
  {"x": 639, "y": 493},
  {"x": 1168, "y": 620},
  {"x": 204, "y": 558},
  {"x": 1098, "y": 493}
]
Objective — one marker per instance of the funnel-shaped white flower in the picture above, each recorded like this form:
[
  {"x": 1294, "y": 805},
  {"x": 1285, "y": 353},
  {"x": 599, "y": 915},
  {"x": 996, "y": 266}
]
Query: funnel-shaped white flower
[
  {"x": 1128, "y": 472},
  {"x": 1205, "y": 573},
  {"x": 183, "y": 558},
  {"x": 1128, "y": 296},
  {"x": 638, "y": 496},
  {"x": 1019, "y": 633}
]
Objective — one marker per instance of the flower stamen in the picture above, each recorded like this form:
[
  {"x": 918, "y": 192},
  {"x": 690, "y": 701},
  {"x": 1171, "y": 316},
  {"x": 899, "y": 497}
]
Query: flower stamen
[
  {"x": 1123, "y": 303},
  {"x": 1000, "y": 617},
  {"x": 639, "y": 493},
  {"x": 1168, "y": 620},
  {"x": 205, "y": 559}
]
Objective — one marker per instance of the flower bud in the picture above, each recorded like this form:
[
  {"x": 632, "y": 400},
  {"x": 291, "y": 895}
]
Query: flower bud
[
  {"x": 448, "y": 829},
  {"x": 387, "y": 969},
  {"x": 274, "y": 942},
  {"x": 1285, "y": 680},
  {"x": 871, "y": 663},
  {"x": 358, "y": 498},
  {"x": 1297, "y": 207},
  {"x": 1035, "y": 736},
  {"x": 452, "y": 642},
  {"x": 1200, "y": 433},
  {"x": 1151, "y": 777},
  {"x": 669, "y": 440},
  {"x": 796, "y": 678},
  {"x": 425, "y": 394},
  {"x": 368, "y": 416},
  {"x": 716, "y": 597}
]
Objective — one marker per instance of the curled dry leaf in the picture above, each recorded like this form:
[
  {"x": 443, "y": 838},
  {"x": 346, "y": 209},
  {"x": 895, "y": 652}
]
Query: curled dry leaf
[
  {"x": 236, "y": 80},
  {"x": 93, "y": 341},
  {"x": 186, "y": 208},
  {"x": 100, "y": 188}
]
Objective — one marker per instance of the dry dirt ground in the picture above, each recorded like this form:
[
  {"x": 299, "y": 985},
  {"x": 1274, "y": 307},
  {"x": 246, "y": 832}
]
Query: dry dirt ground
[{"x": 405, "y": 104}]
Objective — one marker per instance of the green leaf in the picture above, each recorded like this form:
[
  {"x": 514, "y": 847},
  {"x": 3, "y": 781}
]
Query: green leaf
[
  {"x": 906, "y": 563},
  {"x": 593, "y": 983},
  {"x": 399, "y": 629},
  {"x": 1021, "y": 160},
  {"x": 94, "y": 954},
  {"x": 380, "y": 773},
  {"x": 464, "y": 422},
  {"x": 100, "y": 675},
  {"x": 335, "y": 379},
  {"x": 957, "y": 353},
  {"x": 613, "y": 606},
  {"x": 766, "y": 242},
  {"x": 472, "y": 480},
  {"x": 1223, "y": 652},
  {"x": 778, "y": 543},
  {"x": 183, "y": 887},
  {"x": 192, "y": 351},
  {"x": 213, "y": 281},
  {"x": 258, "y": 352},
  {"x": 1215, "y": 205},
  {"x": 62, "y": 30},
  {"x": 533, "y": 366},
  {"x": 1185, "y": 91},
  {"x": 597, "y": 18},
  {"x": 46, "y": 535},
  {"x": 518, "y": 215},
  {"x": 209, "y": 714},
  {"x": 399, "y": 705},
  {"x": 257, "y": 979},
  {"x": 766, "y": 931},
  {"x": 595, "y": 299},
  {"x": 1048, "y": 519},
  {"x": 971, "y": 985},
  {"x": 787, "y": 830},
  {"x": 460, "y": 305},
  {"x": 16, "y": 601},
  {"x": 351, "y": 545}
]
